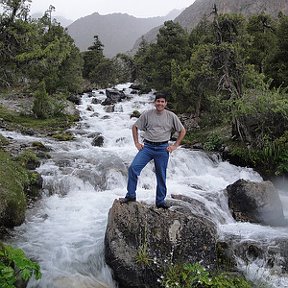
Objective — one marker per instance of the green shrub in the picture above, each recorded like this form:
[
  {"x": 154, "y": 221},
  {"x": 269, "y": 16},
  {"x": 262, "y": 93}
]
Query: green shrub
[
  {"x": 213, "y": 142},
  {"x": 142, "y": 256},
  {"x": 271, "y": 159},
  {"x": 14, "y": 264},
  {"x": 42, "y": 105},
  {"x": 196, "y": 276}
]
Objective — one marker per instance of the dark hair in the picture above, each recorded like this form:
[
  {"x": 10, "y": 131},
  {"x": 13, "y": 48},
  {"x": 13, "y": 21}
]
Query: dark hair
[{"x": 159, "y": 95}]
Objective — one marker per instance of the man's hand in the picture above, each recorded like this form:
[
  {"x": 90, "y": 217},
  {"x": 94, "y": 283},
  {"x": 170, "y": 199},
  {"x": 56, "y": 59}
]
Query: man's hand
[
  {"x": 139, "y": 146},
  {"x": 171, "y": 148}
]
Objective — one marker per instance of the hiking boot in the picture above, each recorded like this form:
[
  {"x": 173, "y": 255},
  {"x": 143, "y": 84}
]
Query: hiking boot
[
  {"x": 162, "y": 205},
  {"x": 126, "y": 200}
]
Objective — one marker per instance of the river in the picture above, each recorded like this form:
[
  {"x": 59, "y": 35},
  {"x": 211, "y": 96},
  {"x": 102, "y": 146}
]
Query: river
[{"x": 64, "y": 230}]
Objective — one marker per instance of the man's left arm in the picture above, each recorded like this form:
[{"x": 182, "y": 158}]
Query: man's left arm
[{"x": 177, "y": 143}]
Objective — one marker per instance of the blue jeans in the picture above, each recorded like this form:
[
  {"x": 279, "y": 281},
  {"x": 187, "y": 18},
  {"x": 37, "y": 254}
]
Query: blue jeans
[{"x": 160, "y": 156}]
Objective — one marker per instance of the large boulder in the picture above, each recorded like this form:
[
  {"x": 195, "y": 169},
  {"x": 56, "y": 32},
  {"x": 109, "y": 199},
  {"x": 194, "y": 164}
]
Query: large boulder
[
  {"x": 74, "y": 98},
  {"x": 113, "y": 96},
  {"x": 255, "y": 202},
  {"x": 142, "y": 241}
]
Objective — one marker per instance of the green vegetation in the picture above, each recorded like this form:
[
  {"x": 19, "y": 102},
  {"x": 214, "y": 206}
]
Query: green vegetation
[
  {"x": 231, "y": 74},
  {"x": 18, "y": 121},
  {"x": 25, "y": 157},
  {"x": 42, "y": 106},
  {"x": 142, "y": 257},
  {"x": 14, "y": 265},
  {"x": 12, "y": 197},
  {"x": 195, "y": 275},
  {"x": 15, "y": 180},
  {"x": 3, "y": 141},
  {"x": 66, "y": 136}
]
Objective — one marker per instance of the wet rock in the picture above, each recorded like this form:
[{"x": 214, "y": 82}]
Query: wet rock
[
  {"x": 135, "y": 114},
  {"x": 109, "y": 108},
  {"x": 95, "y": 114},
  {"x": 76, "y": 99},
  {"x": 269, "y": 253},
  {"x": 96, "y": 101},
  {"x": 255, "y": 202},
  {"x": 113, "y": 96},
  {"x": 98, "y": 141},
  {"x": 134, "y": 92},
  {"x": 32, "y": 164},
  {"x": 90, "y": 94},
  {"x": 93, "y": 135},
  {"x": 34, "y": 188},
  {"x": 90, "y": 108},
  {"x": 141, "y": 241},
  {"x": 135, "y": 86},
  {"x": 27, "y": 131}
]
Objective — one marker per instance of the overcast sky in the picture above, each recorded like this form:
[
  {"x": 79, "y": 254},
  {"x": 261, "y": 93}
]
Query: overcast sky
[{"x": 139, "y": 8}]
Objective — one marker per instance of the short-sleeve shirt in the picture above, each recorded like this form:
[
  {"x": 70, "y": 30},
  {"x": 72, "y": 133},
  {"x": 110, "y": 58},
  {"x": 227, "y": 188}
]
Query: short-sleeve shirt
[{"x": 157, "y": 126}]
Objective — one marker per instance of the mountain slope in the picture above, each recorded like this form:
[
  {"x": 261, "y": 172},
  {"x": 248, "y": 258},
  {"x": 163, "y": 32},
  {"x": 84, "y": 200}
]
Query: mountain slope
[
  {"x": 192, "y": 15},
  {"x": 117, "y": 32}
]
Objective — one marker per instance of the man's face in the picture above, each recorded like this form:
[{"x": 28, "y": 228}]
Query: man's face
[{"x": 160, "y": 104}]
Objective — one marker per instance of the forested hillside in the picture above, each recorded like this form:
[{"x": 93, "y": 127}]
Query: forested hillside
[{"x": 193, "y": 14}]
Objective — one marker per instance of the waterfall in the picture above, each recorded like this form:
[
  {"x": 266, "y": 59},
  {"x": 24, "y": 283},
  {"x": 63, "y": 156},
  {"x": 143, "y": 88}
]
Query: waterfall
[{"x": 64, "y": 230}]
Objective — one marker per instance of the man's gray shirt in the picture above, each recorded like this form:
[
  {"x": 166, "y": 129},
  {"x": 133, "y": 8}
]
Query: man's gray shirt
[{"x": 158, "y": 126}]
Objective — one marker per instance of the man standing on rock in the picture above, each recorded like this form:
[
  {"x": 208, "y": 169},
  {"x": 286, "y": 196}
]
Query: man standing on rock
[{"x": 157, "y": 124}]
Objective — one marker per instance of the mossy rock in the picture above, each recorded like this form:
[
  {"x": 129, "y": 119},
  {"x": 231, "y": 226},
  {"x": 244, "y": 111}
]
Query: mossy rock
[
  {"x": 40, "y": 146},
  {"x": 135, "y": 114},
  {"x": 13, "y": 203},
  {"x": 225, "y": 257},
  {"x": 33, "y": 191},
  {"x": 3, "y": 141},
  {"x": 65, "y": 136}
]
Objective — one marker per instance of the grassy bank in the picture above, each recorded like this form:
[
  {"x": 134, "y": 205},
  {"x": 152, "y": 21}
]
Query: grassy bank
[{"x": 12, "y": 120}]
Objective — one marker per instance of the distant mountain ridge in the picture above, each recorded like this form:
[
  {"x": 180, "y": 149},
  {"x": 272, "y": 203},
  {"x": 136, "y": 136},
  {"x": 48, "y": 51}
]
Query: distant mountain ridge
[
  {"x": 60, "y": 19},
  {"x": 117, "y": 32},
  {"x": 192, "y": 15}
]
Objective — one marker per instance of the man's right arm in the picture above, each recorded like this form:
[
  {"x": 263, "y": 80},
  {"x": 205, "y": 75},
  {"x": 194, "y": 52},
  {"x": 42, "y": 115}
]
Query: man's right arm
[{"x": 138, "y": 145}]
